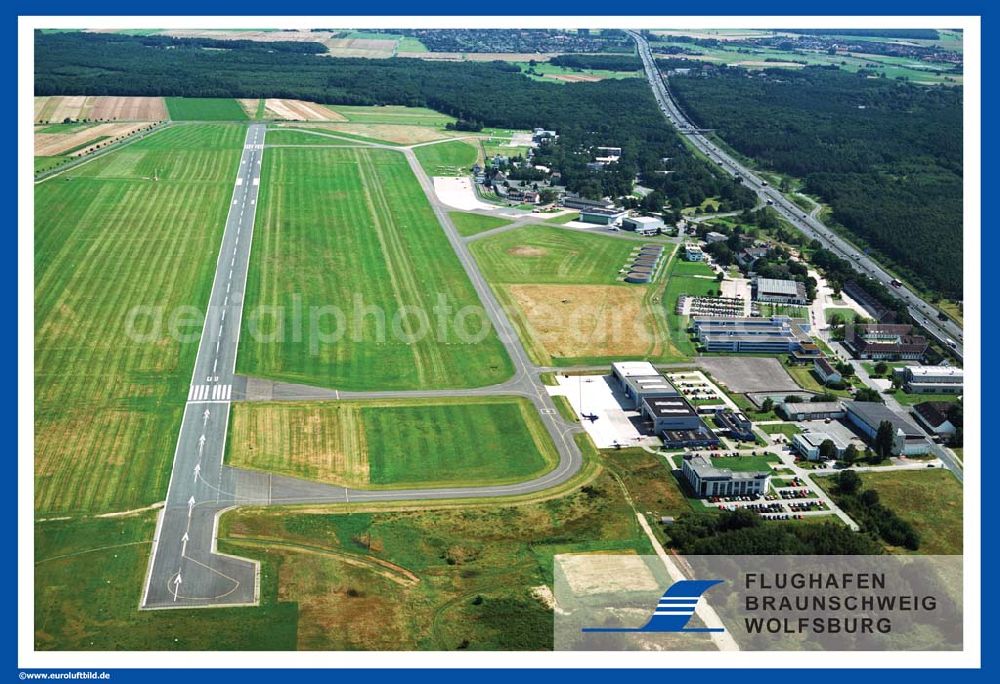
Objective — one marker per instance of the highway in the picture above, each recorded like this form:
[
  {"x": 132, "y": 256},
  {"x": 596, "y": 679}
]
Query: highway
[
  {"x": 922, "y": 311},
  {"x": 184, "y": 571}
]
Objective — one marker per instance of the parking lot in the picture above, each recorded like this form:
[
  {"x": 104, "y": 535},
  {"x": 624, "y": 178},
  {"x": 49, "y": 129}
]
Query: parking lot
[
  {"x": 698, "y": 389},
  {"x": 749, "y": 374}
]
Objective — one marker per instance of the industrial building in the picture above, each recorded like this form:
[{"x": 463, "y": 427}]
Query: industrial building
[
  {"x": 736, "y": 424},
  {"x": 812, "y": 410},
  {"x": 713, "y": 237},
  {"x": 775, "y": 335},
  {"x": 693, "y": 252},
  {"x": 571, "y": 202},
  {"x": 931, "y": 379},
  {"x": 638, "y": 379},
  {"x": 776, "y": 291},
  {"x": 602, "y": 217},
  {"x": 867, "y": 416},
  {"x": 884, "y": 342},
  {"x": 826, "y": 372},
  {"x": 807, "y": 444},
  {"x": 677, "y": 422},
  {"x": 707, "y": 480},
  {"x": 643, "y": 225},
  {"x": 933, "y": 415}
]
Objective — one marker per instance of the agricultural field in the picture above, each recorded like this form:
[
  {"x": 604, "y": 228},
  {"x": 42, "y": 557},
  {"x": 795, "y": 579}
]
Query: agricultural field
[
  {"x": 347, "y": 237},
  {"x": 74, "y": 140},
  {"x": 453, "y": 158},
  {"x": 472, "y": 224},
  {"x": 59, "y": 108},
  {"x": 393, "y": 114},
  {"x": 394, "y": 443},
  {"x": 205, "y": 109},
  {"x": 110, "y": 378},
  {"x": 562, "y": 290},
  {"x": 430, "y": 580},
  {"x": 299, "y": 110}
]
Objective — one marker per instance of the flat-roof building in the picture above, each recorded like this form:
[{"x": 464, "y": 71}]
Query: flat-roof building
[
  {"x": 714, "y": 236},
  {"x": 932, "y": 379},
  {"x": 677, "y": 422},
  {"x": 808, "y": 444},
  {"x": 643, "y": 225},
  {"x": 908, "y": 440},
  {"x": 602, "y": 217},
  {"x": 693, "y": 252},
  {"x": 736, "y": 424},
  {"x": 812, "y": 410},
  {"x": 776, "y": 335},
  {"x": 883, "y": 341},
  {"x": 638, "y": 379},
  {"x": 779, "y": 291},
  {"x": 707, "y": 480},
  {"x": 571, "y": 202}
]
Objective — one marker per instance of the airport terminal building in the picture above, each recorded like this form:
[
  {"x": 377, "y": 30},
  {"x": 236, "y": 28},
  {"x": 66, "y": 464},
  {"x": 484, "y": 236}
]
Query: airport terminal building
[{"x": 707, "y": 480}]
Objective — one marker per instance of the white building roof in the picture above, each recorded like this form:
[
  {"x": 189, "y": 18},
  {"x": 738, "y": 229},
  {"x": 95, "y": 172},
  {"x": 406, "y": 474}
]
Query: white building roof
[
  {"x": 645, "y": 220},
  {"x": 776, "y": 286},
  {"x": 628, "y": 369},
  {"x": 935, "y": 372}
]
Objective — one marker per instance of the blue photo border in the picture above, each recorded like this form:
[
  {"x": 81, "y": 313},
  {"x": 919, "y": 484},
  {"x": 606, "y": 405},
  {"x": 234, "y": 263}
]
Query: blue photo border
[{"x": 988, "y": 11}]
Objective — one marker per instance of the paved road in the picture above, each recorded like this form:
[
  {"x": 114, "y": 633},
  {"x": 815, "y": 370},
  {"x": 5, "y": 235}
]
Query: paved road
[
  {"x": 183, "y": 569},
  {"x": 922, "y": 311}
]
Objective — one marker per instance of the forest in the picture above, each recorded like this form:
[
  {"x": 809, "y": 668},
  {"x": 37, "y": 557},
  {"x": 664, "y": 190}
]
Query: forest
[
  {"x": 620, "y": 113},
  {"x": 886, "y": 155}
]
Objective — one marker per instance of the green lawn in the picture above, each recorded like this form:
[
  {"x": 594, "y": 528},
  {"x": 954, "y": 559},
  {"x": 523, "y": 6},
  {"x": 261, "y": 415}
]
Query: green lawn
[
  {"x": 290, "y": 136},
  {"x": 806, "y": 378},
  {"x": 470, "y": 224},
  {"x": 692, "y": 278},
  {"x": 205, "y": 109},
  {"x": 116, "y": 250},
  {"x": 565, "y": 218},
  {"x": 787, "y": 429},
  {"x": 907, "y": 399},
  {"x": 543, "y": 254},
  {"x": 846, "y": 314},
  {"x": 393, "y": 114},
  {"x": 385, "y": 444},
  {"x": 49, "y": 163},
  {"x": 454, "y": 158},
  {"x": 475, "y": 442},
  {"x": 348, "y": 237},
  {"x": 745, "y": 463}
]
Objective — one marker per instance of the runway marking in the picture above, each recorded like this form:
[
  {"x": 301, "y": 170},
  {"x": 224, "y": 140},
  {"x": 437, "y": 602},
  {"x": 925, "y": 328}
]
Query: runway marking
[
  {"x": 212, "y": 393},
  {"x": 256, "y": 181},
  {"x": 239, "y": 181}
]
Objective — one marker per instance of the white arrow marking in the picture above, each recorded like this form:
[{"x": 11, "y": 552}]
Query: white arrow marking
[
  {"x": 184, "y": 545},
  {"x": 177, "y": 584},
  {"x": 197, "y": 470},
  {"x": 190, "y": 506},
  {"x": 205, "y": 416}
]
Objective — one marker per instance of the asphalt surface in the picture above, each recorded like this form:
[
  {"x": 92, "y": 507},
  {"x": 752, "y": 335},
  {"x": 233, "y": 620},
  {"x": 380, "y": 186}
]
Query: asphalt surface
[
  {"x": 923, "y": 312},
  {"x": 184, "y": 571}
]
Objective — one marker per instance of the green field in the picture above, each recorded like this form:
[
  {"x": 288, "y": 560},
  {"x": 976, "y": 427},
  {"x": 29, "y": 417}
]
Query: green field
[
  {"x": 428, "y": 580},
  {"x": 846, "y": 314},
  {"x": 543, "y": 71},
  {"x": 745, "y": 463},
  {"x": 395, "y": 443},
  {"x": 908, "y": 399},
  {"x": 930, "y": 500},
  {"x": 692, "y": 278},
  {"x": 204, "y": 109},
  {"x": 109, "y": 240},
  {"x": 393, "y": 114},
  {"x": 787, "y": 429},
  {"x": 49, "y": 163},
  {"x": 467, "y": 223},
  {"x": 544, "y": 254},
  {"x": 565, "y": 218},
  {"x": 453, "y": 158},
  {"x": 290, "y": 136},
  {"x": 350, "y": 232}
]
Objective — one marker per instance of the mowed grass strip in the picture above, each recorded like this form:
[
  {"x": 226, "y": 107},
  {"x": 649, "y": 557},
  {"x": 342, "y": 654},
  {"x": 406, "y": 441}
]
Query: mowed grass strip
[
  {"x": 454, "y": 158},
  {"x": 205, "y": 109},
  {"x": 389, "y": 444},
  {"x": 544, "y": 254},
  {"x": 470, "y": 224},
  {"x": 114, "y": 250},
  {"x": 347, "y": 238}
]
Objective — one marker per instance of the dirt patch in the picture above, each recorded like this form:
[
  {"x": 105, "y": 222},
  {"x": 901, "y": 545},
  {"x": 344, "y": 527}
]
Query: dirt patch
[
  {"x": 588, "y": 320},
  {"x": 397, "y": 133},
  {"x": 599, "y": 574},
  {"x": 479, "y": 56},
  {"x": 300, "y": 110},
  {"x": 52, "y": 144},
  {"x": 527, "y": 251},
  {"x": 574, "y": 78},
  {"x": 360, "y": 47},
  {"x": 249, "y": 105},
  {"x": 57, "y": 109}
]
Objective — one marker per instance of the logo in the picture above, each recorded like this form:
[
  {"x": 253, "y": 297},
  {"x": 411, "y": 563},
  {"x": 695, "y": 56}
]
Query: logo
[{"x": 673, "y": 610}]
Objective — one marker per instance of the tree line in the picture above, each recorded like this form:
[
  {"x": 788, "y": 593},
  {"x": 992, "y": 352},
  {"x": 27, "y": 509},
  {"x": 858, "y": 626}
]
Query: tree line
[
  {"x": 619, "y": 113},
  {"x": 886, "y": 155}
]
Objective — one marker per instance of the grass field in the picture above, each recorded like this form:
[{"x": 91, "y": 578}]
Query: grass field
[
  {"x": 49, "y": 163},
  {"x": 787, "y": 429},
  {"x": 805, "y": 377},
  {"x": 108, "y": 240},
  {"x": 543, "y": 254},
  {"x": 692, "y": 278},
  {"x": 290, "y": 136},
  {"x": 394, "y": 444},
  {"x": 453, "y": 158},
  {"x": 205, "y": 109},
  {"x": 350, "y": 232},
  {"x": 846, "y": 314},
  {"x": 551, "y": 73},
  {"x": 470, "y": 224},
  {"x": 432, "y": 580},
  {"x": 930, "y": 500},
  {"x": 393, "y": 114},
  {"x": 908, "y": 399}
]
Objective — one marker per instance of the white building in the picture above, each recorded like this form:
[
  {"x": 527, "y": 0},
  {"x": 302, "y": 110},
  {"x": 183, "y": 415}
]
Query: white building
[
  {"x": 693, "y": 253},
  {"x": 808, "y": 444},
  {"x": 932, "y": 379},
  {"x": 779, "y": 291},
  {"x": 638, "y": 379},
  {"x": 643, "y": 225},
  {"x": 707, "y": 480}
]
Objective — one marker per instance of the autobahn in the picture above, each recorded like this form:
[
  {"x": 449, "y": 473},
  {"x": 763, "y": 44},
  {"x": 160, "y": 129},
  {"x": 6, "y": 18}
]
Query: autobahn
[{"x": 948, "y": 332}]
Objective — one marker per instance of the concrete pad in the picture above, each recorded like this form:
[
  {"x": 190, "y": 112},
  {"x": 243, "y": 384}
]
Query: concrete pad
[
  {"x": 458, "y": 192},
  {"x": 749, "y": 374},
  {"x": 594, "y": 394}
]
